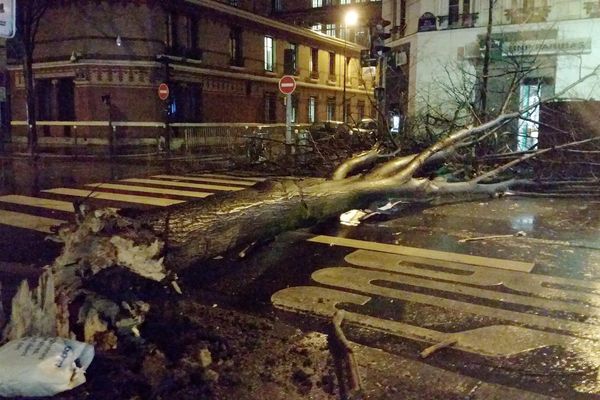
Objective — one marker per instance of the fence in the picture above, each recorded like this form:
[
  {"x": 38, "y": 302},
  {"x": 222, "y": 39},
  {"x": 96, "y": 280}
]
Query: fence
[{"x": 121, "y": 137}]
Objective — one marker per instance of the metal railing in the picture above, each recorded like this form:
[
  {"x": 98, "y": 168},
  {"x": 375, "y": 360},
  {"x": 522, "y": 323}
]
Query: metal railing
[{"x": 125, "y": 137}]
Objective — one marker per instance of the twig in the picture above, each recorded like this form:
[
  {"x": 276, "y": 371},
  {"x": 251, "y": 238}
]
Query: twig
[
  {"x": 349, "y": 362},
  {"x": 473, "y": 239},
  {"x": 438, "y": 346}
]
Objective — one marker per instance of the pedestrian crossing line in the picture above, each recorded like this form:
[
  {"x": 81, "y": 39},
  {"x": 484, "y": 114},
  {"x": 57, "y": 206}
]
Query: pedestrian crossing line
[
  {"x": 425, "y": 253},
  {"x": 126, "y": 198},
  {"x": 542, "y": 286},
  {"x": 38, "y": 202},
  {"x": 182, "y": 184},
  {"x": 371, "y": 283},
  {"x": 493, "y": 340},
  {"x": 225, "y": 176},
  {"x": 27, "y": 221},
  {"x": 208, "y": 180},
  {"x": 145, "y": 189}
]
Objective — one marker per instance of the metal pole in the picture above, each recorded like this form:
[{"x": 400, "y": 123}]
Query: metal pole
[
  {"x": 345, "y": 74},
  {"x": 288, "y": 124}
]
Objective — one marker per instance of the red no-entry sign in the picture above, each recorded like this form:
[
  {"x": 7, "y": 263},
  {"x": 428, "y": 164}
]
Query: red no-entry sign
[
  {"x": 287, "y": 84},
  {"x": 163, "y": 91}
]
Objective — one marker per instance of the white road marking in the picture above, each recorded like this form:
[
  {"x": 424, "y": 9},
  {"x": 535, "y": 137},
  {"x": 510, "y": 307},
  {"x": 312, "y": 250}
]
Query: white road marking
[
  {"x": 363, "y": 280},
  {"x": 544, "y": 286},
  {"x": 127, "y": 198},
  {"x": 425, "y": 253},
  {"x": 243, "y": 178},
  {"x": 38, "y": 202},
  {"x": 26, "y": 221},
  {"x": 144, "y": 189},
  {"x": 209, "y": 180},
  {"x": 182, "y": 184},
  {"x": 494, "y": 340}
]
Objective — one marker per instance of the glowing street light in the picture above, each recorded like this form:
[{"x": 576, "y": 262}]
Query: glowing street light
[{"x": 351, "y": 18}]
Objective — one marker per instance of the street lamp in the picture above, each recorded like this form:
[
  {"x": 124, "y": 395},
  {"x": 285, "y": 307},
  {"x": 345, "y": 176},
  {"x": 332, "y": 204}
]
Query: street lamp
[{"x": 350, "y": 19}]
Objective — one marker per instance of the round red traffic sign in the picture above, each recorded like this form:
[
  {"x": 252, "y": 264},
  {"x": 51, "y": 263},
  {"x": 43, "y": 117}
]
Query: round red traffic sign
[
  {"x": 163, "y": 91},
  {"x": 287, "y": 84}
]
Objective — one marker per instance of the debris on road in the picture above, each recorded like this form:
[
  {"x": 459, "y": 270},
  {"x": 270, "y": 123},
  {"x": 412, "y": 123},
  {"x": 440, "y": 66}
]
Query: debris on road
[
  {"x": 352, "y": 217},
  {"x": 477, "y": 238},
  {"x": 35, "y": 366},
  {"x": 438, "y": 346},
  {"x": 348, "y": 375}
]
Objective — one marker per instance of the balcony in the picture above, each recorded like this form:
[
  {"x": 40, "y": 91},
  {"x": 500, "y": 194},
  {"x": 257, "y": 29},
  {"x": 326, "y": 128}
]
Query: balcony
[
  {"x": 457, "y": 21},
  {"x": 527, "y": 15}
]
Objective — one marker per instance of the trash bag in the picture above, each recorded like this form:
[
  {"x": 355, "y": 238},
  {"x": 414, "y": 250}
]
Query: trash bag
[{"x": 37, "y": 366}]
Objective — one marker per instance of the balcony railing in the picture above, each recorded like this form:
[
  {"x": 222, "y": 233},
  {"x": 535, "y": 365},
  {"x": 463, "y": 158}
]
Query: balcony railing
[
  {"x": 457, "y": 21},
  {"x": 529, "y": 14}
]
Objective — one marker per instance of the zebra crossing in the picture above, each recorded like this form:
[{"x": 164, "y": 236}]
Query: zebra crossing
[{"x": 54, "y": 206}]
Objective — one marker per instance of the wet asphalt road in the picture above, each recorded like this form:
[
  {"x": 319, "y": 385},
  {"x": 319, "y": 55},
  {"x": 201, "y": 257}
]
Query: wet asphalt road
[{"x": 522, "y": 315}]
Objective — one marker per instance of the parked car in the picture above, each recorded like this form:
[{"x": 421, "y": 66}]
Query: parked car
[
  {"x": 367, "y": 124},
  {"x": 324, "y": 130},
  {"x": 364, "y": 134}
]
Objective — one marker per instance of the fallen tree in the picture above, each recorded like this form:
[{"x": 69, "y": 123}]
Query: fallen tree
[{"x": 158, "y": 243}]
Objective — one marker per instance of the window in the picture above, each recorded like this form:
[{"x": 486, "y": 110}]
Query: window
[
  {"x": 331, "y": 66},
  {"x": 312, "y": 109},
  {"x": 290, "y": 60},
  {"x": 269, "y": 50},
  {"x": 314, "y": 61},
  {"x": 453, "y": 12},
  {"x": 330, "y": 29},
  {"x": 235, "y": 47},
  {"x": 402, "y": 17},
  {"x": 317, "y": 3},
  {"x": 348, "y": 111},
  {"x": 360, "y": 109},
  {"x": 183, "y": 35},
  {"x": 344, "y": 1},
  {"x": 331, "y": 108},
  {"x": 276, "y": 5},
  {"x": 186, "y": 102},
  {"x": 529, "y": 99},
  {"x": 235, "y": 3},
  {"x": 55, "y": 102},
  {"x": 270, "y": 107},
  {"x": 295, "y": 108},
  {"x": 317, "y": 27}
]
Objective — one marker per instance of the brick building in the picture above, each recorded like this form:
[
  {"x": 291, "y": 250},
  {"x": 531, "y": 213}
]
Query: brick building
[{"x": 222, "y": 63}]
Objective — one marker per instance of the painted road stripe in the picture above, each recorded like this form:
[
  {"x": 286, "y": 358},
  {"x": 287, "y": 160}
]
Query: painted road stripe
[
  {"x": 494, "y": 340},
  {"x": 182, "y": 184},
  {"x": 368, "y": 282},
  {"x": 38, "y": 202},
  {"x": 127, "y": 198},
  {"x": 20, "y": 220},
  {"x": 242, "y": 178},
  {"x": 209, "y": 180},
  {"x": 425, "y": 253},
  {"x": 543, "y": 286},
  {"x": 144, "y": 189}
]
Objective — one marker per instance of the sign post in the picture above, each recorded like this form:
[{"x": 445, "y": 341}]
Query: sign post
[{"x": 287, "y": 85}]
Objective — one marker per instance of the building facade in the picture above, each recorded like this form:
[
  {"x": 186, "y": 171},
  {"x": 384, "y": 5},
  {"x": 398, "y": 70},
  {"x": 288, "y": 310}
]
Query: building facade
[
  {"x": 539, "y": 48},
  {"x": 104, "y": 60},
  {"x": 330, "y": 16}
]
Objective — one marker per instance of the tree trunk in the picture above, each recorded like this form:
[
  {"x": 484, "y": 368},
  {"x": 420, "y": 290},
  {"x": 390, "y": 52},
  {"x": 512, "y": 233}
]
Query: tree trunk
[
  {"x": 32, "y": 137},
  {"x": 196, "y": 231}
]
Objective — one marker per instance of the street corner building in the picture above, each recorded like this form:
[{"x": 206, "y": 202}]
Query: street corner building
[
  {"x": 99, "y": 64},
  {"x": 537, "y": 50}
]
